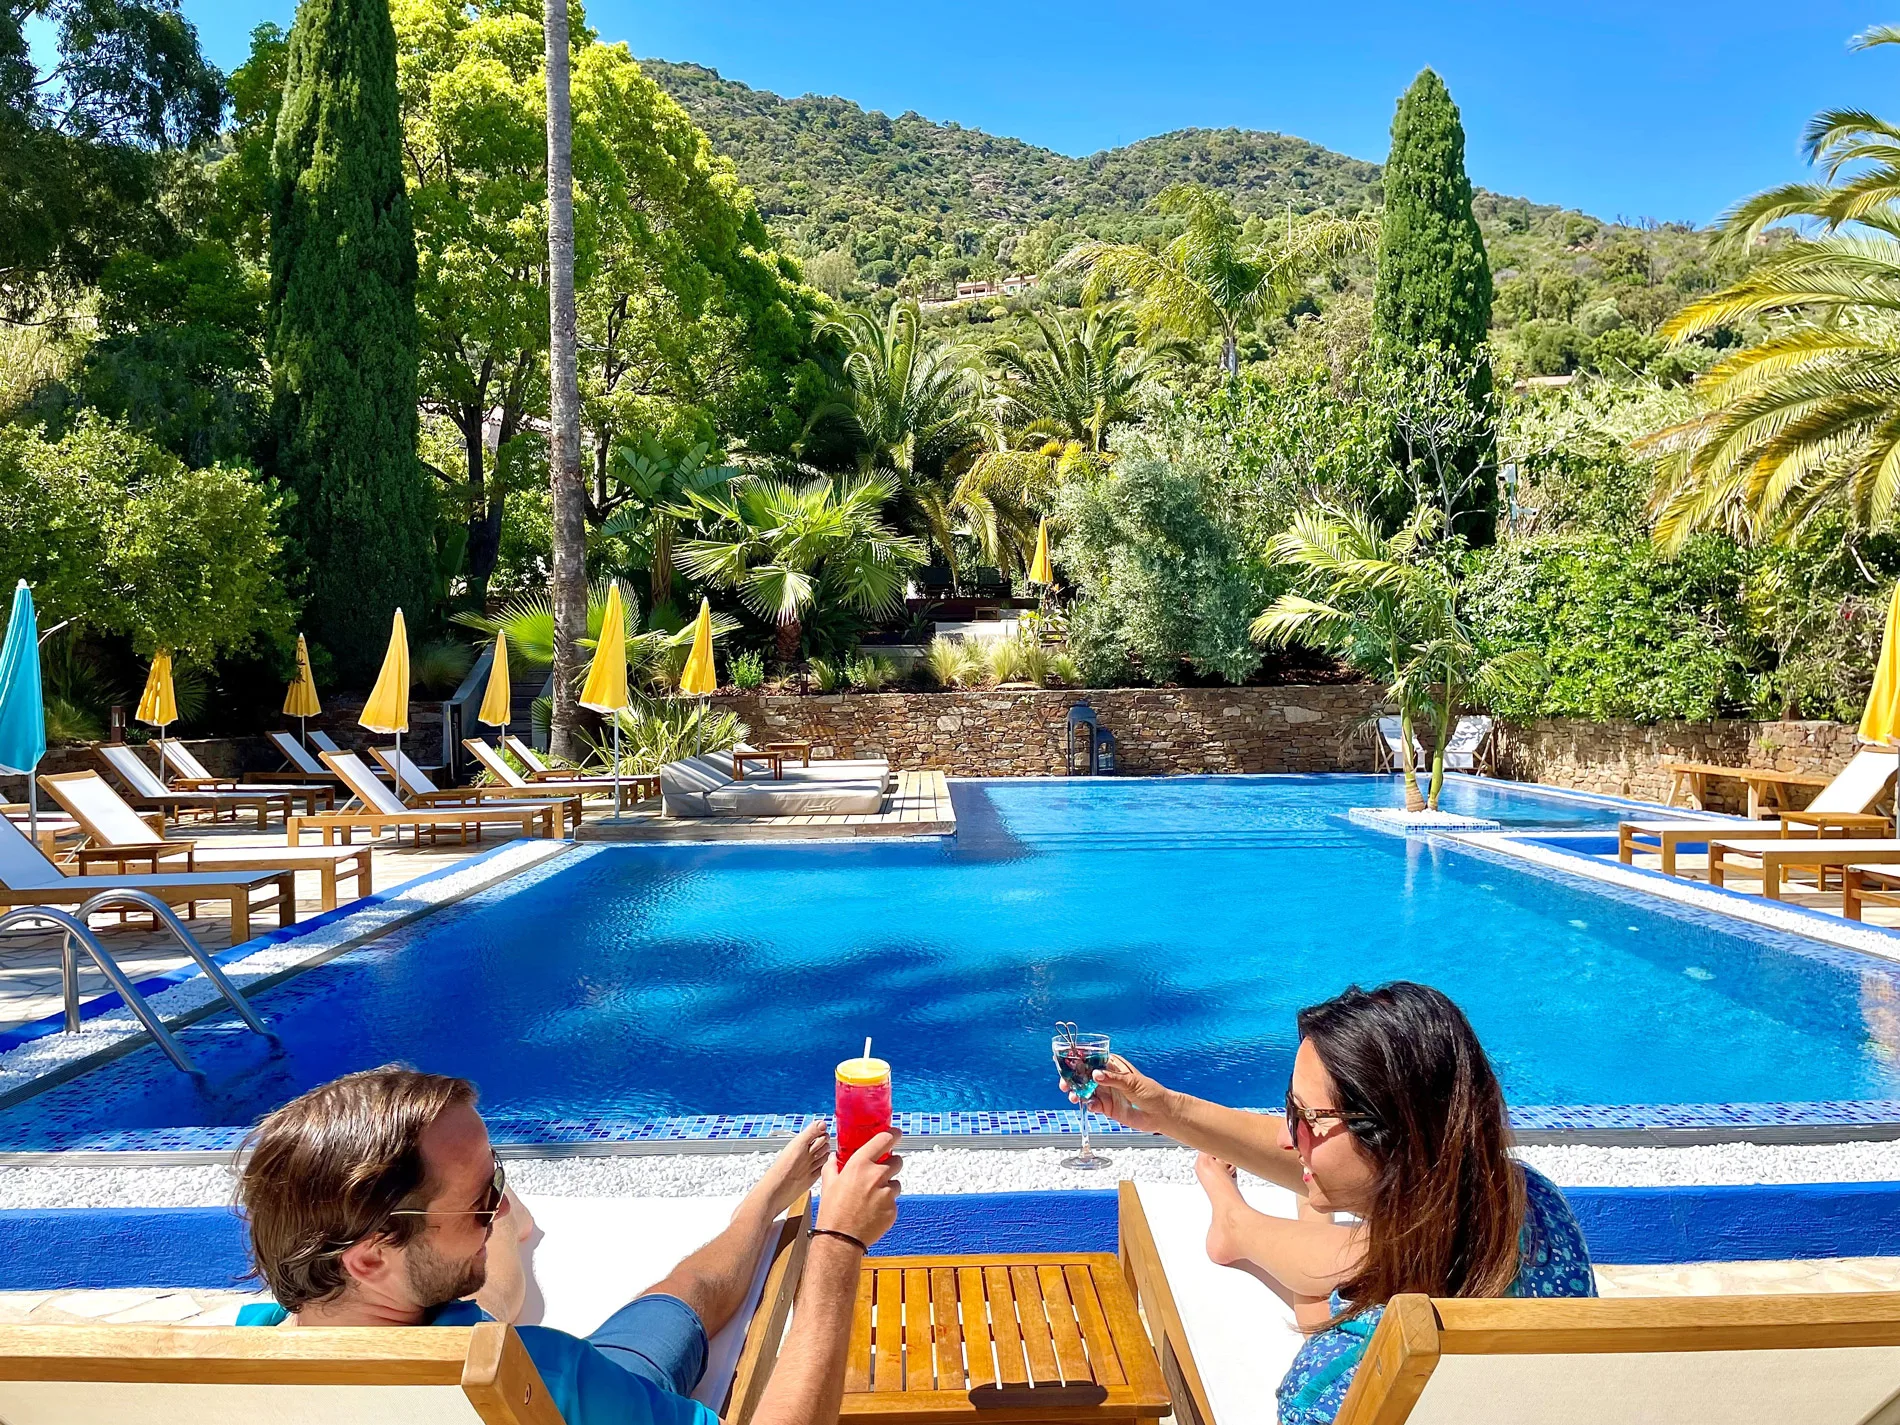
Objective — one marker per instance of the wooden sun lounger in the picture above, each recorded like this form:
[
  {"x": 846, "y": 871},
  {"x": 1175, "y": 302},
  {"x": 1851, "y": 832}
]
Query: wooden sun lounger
[
  {"x": 145, "y": 791},
  {"x": 415, "y": 788},
  {"x": 28, "y": 878},
  {"x": 442, "y": 1375},
  {"x": 538, "y": 770},
  {"x": 1696, "y": 1360},
  {"x": 1669, "y": 837},
  {"x": 123, "y": 841},
  {"x": 1864, "y": 885},
  {"x": 381, "y": 812},
  {"x": 633, "y": 786},
  {"x": 300, "y": 766},
  {"x": 316, "y": 795},
  {"x": 1778, "y": 857}
]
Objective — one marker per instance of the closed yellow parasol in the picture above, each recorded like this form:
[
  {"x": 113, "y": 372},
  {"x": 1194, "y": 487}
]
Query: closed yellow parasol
[
  {"x": 158, "y": 704},
  {"x": 1881, "y": 721},
  {"x": 498, "y": 702},
  {"x": 300, "y": 698},
  {"x": 1039, "y": 572},
  {"x": 698, "y": 678},
  {"x": 388, "y": 707},
  {"x": 606, "y": 689}
]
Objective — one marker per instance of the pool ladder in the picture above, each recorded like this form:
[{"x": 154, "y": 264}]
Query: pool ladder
[{"x": 75, "y": 927}]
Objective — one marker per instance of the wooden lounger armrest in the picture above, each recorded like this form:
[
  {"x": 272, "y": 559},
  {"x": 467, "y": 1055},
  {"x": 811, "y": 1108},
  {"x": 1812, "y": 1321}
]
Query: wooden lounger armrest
[
  {"x": 204, "y": 784},
  {"x": 291, "y": 774},
  {"x": 766, "y": 1330},
  {"x": 1148, "y": 1281},
  {"x": 1850, "y": 820},
  {"x": 124, "y": 858}
]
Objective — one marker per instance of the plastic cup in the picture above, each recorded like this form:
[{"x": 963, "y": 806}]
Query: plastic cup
[{"x": 863, "y": 1104}]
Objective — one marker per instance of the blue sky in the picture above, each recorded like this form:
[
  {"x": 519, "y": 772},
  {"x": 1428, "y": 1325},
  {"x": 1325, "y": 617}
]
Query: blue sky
[{"x": 1671, "y": 109}]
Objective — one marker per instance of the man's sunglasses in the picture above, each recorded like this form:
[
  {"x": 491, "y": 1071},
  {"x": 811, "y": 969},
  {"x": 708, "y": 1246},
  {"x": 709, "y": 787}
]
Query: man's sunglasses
[
  {"x": 491, "y": 1202},
  {"x": 1319, "y": 1122}
]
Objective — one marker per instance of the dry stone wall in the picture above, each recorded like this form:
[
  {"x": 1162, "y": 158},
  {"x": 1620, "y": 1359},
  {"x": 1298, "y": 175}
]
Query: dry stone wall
[{"x": 1010, "y": 733}]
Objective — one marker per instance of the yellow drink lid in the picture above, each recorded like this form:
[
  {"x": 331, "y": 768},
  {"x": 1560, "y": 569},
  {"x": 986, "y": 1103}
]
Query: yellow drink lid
[{"x": 864, "y": 1071}]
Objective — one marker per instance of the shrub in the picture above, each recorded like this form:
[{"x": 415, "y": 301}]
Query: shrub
[
  {"x": 656, "y": 731},
  {"x": 1019, "y": 660},
  {"x": 826, "y": 675},
  {"x": 870, "y": 673},
  {"x": 748, "y": 669},
  {"x": 440, "y": 665},
  {"x": 946, "y": 659},
  {"x": 1062, "y": 670}
]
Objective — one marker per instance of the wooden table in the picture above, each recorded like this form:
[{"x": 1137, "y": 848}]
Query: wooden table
[
  {"x": 800, "y": 750},
  {"x": 1767, "y": 789},
  {"x": 774, "y": 762},
  {"x": 1007, "y": 1338}
]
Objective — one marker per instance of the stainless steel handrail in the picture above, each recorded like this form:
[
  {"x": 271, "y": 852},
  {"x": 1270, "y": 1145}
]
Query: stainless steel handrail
[
  {"x": 76, "y": 929},
  {"x": 169, "y": 918}
]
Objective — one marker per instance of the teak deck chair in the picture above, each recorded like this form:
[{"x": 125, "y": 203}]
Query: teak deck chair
[
  {"x": 635, "y": 787},
  {"x": 28, "y": 878},
  {"x": 1817, "y": 854},
  {"x": 302, "y": 766},
  {"x": 382, "y": 811},
  {"x": 415, "y": 788},
  {"x": 323, "y": 742},
  {"x": 233, "y": 1375},
  {"x": 197, "y": 779},
  {"x": 148, "y": 792},
  {"x": 1698, "y": 1360},
  {"x": 1841, "y": 806},
  {"x": 124, "y": 840}
]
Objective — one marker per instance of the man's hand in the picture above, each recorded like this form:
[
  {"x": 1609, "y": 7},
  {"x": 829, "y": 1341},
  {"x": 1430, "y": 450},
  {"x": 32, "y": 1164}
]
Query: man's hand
[
  {"x": 860, "y": 1199},
  {"x": 1130, "y": 1097}
]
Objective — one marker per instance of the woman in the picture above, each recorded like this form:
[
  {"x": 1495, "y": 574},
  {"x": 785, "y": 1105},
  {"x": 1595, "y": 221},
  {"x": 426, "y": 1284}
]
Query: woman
[{"x": 1395, "y": 1117}]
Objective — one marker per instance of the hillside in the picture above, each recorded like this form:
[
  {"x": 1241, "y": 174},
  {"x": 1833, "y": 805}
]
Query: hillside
[{"x": 907, "y": 205}]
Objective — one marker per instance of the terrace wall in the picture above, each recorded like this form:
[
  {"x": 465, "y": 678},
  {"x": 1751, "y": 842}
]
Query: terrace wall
[
  {"x": 1626, "y": 759},
  {"x": 1009, "y": 733}
]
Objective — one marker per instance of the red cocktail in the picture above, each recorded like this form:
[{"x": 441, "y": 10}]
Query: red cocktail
[{"x": 863, "y": 1104}]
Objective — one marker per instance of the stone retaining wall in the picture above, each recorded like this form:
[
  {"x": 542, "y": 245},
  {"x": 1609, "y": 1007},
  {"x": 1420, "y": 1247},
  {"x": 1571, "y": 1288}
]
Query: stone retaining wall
[
  {"x": 1010, "y": 733},
  {"x": 1626, "y": 759}
]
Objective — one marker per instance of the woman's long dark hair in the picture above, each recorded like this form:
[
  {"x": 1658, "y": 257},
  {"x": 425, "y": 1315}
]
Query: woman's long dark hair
[{"x": 1448, "y": 1203}]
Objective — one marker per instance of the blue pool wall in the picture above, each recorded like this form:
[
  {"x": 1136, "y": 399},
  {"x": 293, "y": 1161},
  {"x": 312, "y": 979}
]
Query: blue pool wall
[{"x": 204, "y": 1247}]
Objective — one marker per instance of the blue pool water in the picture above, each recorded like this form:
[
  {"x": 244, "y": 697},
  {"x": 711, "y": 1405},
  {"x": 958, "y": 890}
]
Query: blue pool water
[{"x": 1189, "y": 918}]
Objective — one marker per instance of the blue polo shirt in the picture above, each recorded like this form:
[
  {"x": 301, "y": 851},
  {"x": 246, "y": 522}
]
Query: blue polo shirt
[{"x": 584, "y": 1382}]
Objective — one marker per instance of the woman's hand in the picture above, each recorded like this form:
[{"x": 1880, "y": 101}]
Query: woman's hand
[{"x": 1130, "y": 1097}]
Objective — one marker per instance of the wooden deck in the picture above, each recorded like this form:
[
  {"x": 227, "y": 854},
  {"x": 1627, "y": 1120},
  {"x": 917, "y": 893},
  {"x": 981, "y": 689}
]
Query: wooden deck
[{"x": 919, "y": 807}]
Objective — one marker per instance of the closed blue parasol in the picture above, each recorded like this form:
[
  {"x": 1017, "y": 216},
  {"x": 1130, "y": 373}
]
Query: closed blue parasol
[{"x": 22, "y": 713}]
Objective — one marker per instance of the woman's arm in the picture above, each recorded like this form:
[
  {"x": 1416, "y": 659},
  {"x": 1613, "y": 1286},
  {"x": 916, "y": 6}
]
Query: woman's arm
[{"x": 1254, "y": 1141}]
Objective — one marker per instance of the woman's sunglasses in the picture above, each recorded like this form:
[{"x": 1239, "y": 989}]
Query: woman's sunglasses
[
  {"x": 491, "y": 1202},
  {"x": 1320, "y": 1123}
]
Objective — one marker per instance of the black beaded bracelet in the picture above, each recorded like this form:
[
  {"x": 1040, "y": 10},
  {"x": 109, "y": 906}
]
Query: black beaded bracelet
[{"x": 841, "y": 1236}]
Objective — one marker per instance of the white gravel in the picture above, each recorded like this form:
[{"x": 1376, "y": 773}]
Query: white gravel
[{"x": 939, "y": 1170}]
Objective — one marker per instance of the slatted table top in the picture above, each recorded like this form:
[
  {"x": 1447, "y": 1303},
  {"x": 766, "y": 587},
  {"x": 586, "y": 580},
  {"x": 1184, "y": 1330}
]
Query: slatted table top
[{"x": 1002, "y": 1337}]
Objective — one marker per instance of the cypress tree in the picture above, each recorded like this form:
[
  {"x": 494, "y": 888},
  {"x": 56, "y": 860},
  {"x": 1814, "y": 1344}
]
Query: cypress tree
[
  {"x": 343, "y": 336},
  {"x": 1434, "y": 285}
]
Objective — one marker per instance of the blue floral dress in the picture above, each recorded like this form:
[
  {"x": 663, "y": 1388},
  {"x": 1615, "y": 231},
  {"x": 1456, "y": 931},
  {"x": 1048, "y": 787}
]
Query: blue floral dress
[{"x": 1555, "y": 1262}]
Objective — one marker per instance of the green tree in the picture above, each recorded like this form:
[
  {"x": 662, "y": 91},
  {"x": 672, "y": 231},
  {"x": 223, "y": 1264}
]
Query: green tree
[
  {"x": 653, "y": 496},
  {"x": 1080, "y": 379},
  {"x": 788, "y": 549},
  {"x": 1161, "y": 582},
  {"x": 85, "y": 144},
  {"x": 1434, "y": 286},
  {"x": 343, "y": 331},
  {"x": 1210, "y": 280}
]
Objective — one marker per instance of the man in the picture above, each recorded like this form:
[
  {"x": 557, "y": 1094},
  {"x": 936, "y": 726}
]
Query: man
[{"x": 373, "y": 1201}]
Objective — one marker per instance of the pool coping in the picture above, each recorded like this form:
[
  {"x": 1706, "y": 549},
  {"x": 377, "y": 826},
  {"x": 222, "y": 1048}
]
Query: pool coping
[{"x": 270, "y": 960}]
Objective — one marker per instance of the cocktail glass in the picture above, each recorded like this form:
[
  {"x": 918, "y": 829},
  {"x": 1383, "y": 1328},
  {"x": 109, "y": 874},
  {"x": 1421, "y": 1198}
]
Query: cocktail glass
[
  {"x": 863, "y": 1104},
  {"x": 1077, "y": 1058}
]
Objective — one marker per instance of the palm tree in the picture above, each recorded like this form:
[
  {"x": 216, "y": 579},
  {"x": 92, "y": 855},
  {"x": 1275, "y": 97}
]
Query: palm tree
[
  {"x": 906, "y": 410},
  {"x": 652, "y": 654},
  {"x": 654, "y": 484},
  {"x": 564, "y": 397},
  {"x": 1211, "y": 278},
  {"x": 787, "y": 547},
  {"x": 1808, "y": 417},
  {"x": 1082, "y": 379}
]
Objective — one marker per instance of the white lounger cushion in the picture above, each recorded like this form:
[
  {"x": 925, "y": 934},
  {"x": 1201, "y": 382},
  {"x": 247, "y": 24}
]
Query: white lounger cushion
[
  {"x": 704, "y": 786},
  {"x": 1242, "y": 1336},
  {"x": 592, "y": 1255}
]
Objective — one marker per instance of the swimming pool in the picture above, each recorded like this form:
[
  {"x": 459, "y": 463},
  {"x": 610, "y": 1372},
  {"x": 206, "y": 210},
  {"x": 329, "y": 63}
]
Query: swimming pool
[{"x": 1188, "y": 917}]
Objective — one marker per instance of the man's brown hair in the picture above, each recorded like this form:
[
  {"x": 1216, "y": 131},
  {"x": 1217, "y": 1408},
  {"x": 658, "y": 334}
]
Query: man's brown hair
[{"x": 328, "y": 1168}]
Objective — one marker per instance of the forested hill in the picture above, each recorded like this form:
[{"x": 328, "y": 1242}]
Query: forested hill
[{"x": 822, "y": 166}]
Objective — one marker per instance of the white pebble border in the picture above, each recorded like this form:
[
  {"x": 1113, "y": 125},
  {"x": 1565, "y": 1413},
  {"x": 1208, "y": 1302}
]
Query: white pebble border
[
  {"x": 19, "y": 1067},
  {"x": 948, "y": 1170}
]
